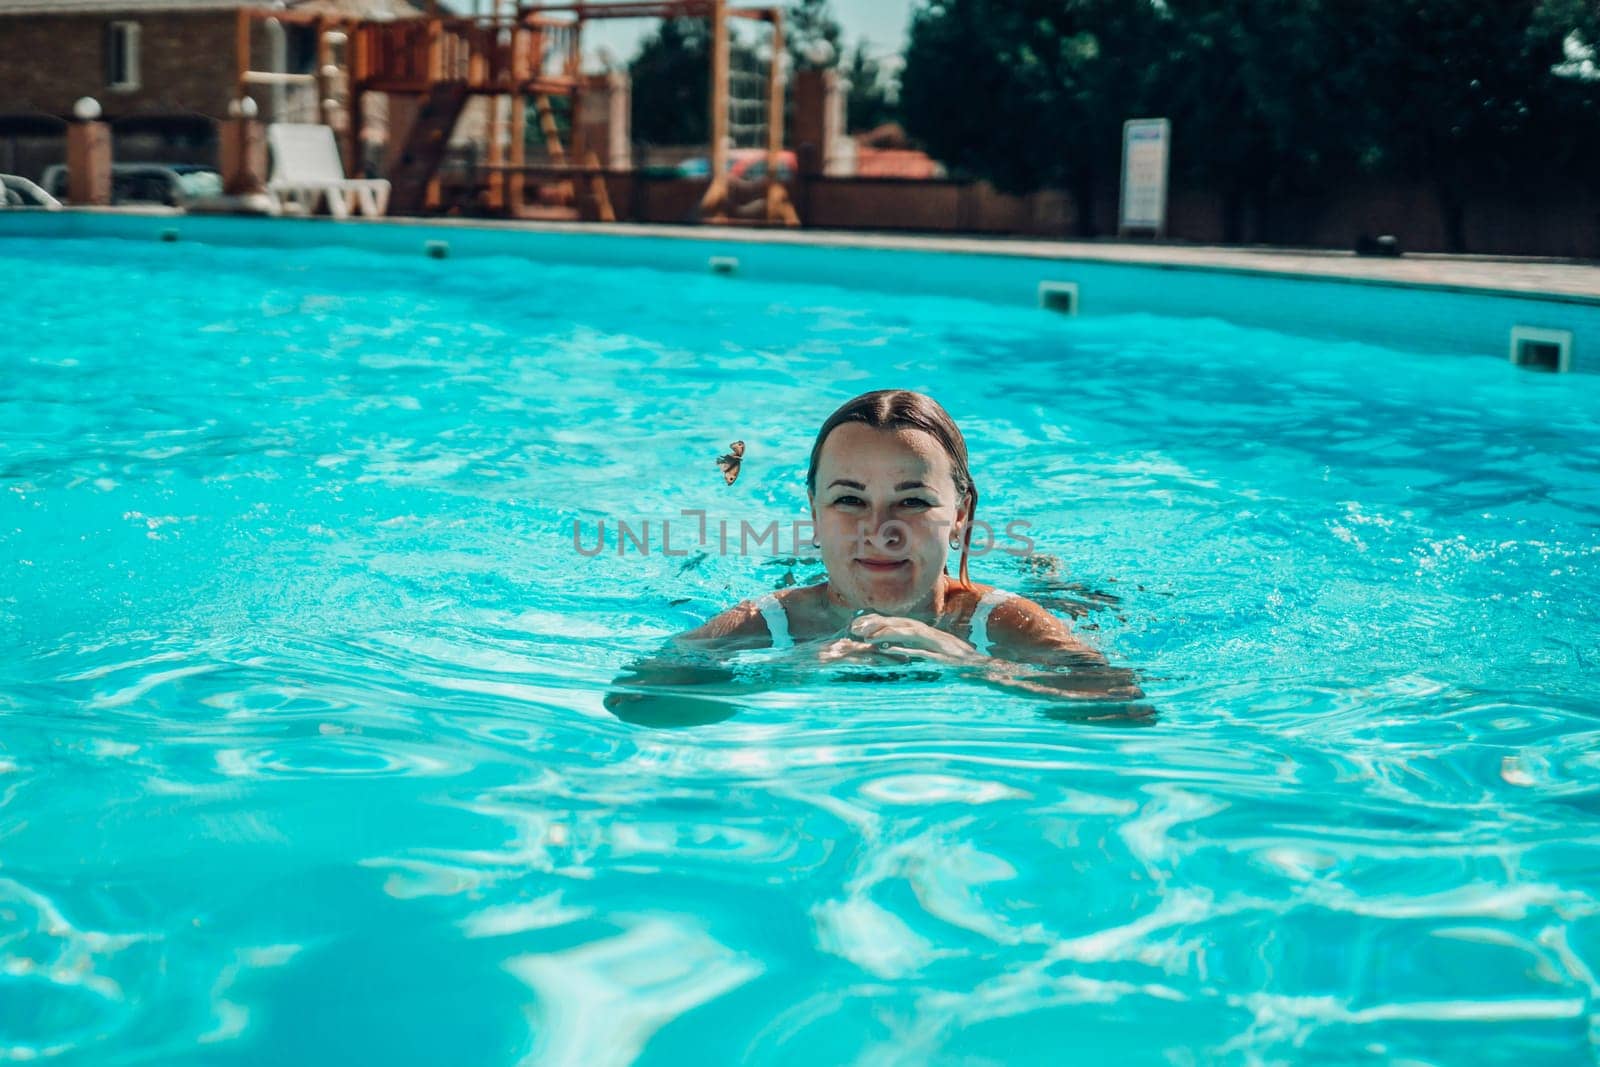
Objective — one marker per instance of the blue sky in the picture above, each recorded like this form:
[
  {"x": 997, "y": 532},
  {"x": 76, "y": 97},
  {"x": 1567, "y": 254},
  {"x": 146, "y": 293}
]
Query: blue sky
[{"x": 882, "y": 22}]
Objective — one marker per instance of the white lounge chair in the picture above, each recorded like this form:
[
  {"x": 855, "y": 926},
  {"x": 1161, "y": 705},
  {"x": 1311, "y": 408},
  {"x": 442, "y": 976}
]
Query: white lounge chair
[
  {"x": 306, "y": 172},
  {"x": 17, "y": 191}
]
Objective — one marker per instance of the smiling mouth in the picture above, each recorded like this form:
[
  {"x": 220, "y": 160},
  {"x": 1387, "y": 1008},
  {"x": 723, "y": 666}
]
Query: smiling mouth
[{"x": 883, "y": 566}]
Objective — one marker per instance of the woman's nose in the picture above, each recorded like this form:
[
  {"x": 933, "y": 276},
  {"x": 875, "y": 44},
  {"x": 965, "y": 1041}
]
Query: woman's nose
[{"x": 884, "y": 532}]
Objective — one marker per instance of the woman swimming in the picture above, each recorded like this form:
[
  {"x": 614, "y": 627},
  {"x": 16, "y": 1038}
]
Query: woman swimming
[{"x": 892, "y": 496}]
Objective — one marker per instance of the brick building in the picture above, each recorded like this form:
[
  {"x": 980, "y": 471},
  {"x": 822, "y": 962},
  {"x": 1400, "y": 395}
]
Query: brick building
[{"x": 163, "y": 71}]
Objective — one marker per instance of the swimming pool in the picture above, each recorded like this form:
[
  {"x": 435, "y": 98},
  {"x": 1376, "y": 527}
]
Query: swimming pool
[{"x": 303, "y": 756}]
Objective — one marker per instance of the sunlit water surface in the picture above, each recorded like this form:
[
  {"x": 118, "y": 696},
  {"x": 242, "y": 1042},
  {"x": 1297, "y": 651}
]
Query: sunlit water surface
[{"x": 303, "y": 757}]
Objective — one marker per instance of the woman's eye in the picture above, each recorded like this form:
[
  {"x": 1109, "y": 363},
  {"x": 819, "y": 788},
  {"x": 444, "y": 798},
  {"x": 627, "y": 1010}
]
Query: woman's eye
[
  {"x": 915, "y": 502},
  {"x": 848, "y": 501}
]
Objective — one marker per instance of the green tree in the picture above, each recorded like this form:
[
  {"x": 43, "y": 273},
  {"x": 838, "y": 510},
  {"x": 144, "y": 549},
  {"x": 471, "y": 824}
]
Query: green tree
[
  {"x": 1273, "y": 102},
  {"x": 812, "y": 35},
  {"x": 1265, "y": 101},
  {"x": 672, "y": 84},
  {"x": 1470, "y": 100},
  {"x": 671, "y": 75},
  {"x": 870, "y": 102},
  {"x": 1032, "y": 94}
]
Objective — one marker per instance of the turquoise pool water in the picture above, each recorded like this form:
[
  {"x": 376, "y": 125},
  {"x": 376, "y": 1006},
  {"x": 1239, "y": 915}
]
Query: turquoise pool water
[{"x": 303, "y": 756}]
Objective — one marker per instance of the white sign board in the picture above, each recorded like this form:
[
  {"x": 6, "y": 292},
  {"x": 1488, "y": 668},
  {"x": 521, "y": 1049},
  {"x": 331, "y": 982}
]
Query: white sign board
[{"x": 1144, "y": 174}]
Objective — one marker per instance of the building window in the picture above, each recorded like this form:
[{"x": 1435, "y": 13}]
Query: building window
[{"x": 122, "y": 56}]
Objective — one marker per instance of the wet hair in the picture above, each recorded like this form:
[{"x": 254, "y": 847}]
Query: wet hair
[{"x": 901, "y": 409}]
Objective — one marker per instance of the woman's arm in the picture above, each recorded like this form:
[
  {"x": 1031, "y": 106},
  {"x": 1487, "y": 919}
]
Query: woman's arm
[
  {"x": 1035, "y": 652},
  {"x": 687, "y": 681},
  {"x": 740, "y": 627},
  {"x": 1031, "y": 651}
]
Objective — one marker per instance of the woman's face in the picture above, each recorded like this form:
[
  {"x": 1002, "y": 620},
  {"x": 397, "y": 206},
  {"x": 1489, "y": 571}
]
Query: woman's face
[{"x": 886, "y": 509}]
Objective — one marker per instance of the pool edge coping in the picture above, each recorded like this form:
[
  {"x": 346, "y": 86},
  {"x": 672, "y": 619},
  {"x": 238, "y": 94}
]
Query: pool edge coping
[
  {"x": 1053, "y": 251},
  {"x": 1031, "y": 249}
]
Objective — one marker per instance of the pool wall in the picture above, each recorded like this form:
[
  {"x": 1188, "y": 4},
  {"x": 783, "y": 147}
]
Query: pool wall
[{"x": 1417, "y": 317}]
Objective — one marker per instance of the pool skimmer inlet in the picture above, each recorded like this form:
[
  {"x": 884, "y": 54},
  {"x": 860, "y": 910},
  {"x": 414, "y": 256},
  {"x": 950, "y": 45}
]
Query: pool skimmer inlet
[
  {"x": 1537, "y": 348},
  {"x": 1060, "y": 297}
]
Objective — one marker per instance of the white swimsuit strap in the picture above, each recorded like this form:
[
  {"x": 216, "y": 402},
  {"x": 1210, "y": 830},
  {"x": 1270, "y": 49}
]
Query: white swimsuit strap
[
  {"x": 979, "y": 630},
  {"x": 777, "y": 620}
]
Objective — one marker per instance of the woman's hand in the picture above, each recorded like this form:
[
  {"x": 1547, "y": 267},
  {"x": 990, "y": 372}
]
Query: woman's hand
[{"x": 900, "y": 638}]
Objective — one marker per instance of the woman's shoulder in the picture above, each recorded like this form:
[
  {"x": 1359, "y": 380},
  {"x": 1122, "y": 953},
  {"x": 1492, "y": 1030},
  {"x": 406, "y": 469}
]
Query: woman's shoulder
[
  {"x": 1027, "y": 628},
  {"x": 991, "y": 599},
  {"x": 1013, "y": 612},
  {"x": 742, "y": 620},
  {"x": 749, "y": 618},
  {"x": 801, "y": 598}
]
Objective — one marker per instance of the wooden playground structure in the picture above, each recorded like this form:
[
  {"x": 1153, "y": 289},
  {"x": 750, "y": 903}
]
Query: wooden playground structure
[{"x": 430, "y": 66}]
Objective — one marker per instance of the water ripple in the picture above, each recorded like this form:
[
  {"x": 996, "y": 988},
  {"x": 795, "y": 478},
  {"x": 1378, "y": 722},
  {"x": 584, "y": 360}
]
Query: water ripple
[{"x": 305, "y": 747}]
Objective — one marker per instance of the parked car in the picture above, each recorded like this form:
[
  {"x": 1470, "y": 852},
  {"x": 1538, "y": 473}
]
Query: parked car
[
  {"x": 744, "y": 165},
  {"x": 750, "y": 165},
  {"x": 698, "y": 167},
  {"x": 173, "y": 184}
]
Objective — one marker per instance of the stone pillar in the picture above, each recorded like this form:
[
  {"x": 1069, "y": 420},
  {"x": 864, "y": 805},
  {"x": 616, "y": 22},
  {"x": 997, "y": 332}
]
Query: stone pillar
[
  {"x": 819, "y": 121},
  {"x": 243, "y": 148},
  {"x": 605, "y": 109},
  {"x": 89, "y": 162}
]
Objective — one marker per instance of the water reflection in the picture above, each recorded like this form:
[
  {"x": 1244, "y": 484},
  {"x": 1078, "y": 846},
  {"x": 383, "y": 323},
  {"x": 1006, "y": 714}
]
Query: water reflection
[
  {"x": 341, "y": 765},
  {"x": 680, "y": 686}
]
